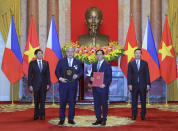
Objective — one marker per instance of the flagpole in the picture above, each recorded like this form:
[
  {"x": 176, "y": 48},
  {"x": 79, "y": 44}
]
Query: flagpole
[
  {"x": 128, "y": 104},
  {"x": 53, "y": 96},
  {"x": 148, "y": 104},
  {"x": 166, "y": 103},
  {"x": 12, "y": 94},
  {"x": 32, "y": 99}
]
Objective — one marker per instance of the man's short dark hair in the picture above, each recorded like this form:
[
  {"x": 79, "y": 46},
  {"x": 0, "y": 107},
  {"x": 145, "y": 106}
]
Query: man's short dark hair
[
  {"x": 101, "y": 51},
  {"x": 37, "y": 50},
  {"x": 138, "y": 49}
]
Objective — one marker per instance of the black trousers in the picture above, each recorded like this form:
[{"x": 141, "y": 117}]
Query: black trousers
[
  {"x": 142, "y": 92},
  {"x": 39, "y": 99}
]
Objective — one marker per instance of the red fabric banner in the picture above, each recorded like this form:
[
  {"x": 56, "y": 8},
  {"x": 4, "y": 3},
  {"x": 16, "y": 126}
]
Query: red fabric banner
[
  {"x": 109, "y": 9},
  {"x": 110, "y": 18}
]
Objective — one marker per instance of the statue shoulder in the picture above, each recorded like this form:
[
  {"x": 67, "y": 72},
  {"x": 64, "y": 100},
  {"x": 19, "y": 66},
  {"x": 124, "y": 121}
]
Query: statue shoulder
[
  {"x": 103, "y": 37},
  {"x": 102, "y": 40},
  {"x": 84, "y": 39}
]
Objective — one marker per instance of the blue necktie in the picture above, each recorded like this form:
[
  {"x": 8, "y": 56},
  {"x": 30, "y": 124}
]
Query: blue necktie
[
  {"x": 70, "y": 62},
  {"x": 40, "y": 66},
  {"x": 138, "y": 65},
  {"x": 98, "y": 66}
]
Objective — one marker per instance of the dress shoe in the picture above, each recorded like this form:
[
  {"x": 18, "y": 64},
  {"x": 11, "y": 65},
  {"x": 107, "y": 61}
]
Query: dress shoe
[
  {"x": 133, "y": 117},
  {"x": 42, "y": 118},
  {"x": 103, "y": 123},
  {"x": 71, "y": 122},
  {"x": 96, "y": 122},
  {"x": 61, "y": 122},
  {"x": 143, "y": 118},
  {"x": 35, "y": 118}
]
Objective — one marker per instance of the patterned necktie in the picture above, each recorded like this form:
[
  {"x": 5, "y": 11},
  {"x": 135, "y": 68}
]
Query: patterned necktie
[
  {"x": 40, "y": 66},
  {"x": 98, "y": 66}
]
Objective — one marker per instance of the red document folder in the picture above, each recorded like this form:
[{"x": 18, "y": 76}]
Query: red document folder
[{"x": 98, "y": 79}]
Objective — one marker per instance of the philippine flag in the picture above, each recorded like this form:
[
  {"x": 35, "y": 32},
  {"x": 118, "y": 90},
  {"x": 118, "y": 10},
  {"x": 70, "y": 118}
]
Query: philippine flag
[
  {"x": 53, "y": 51},
  {"x": 12, "y": 58},
  {"x": 149, "y": 53}
]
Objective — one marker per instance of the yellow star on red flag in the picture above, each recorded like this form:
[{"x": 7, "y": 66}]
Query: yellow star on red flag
[
  {"x": 30, "y": 52},
  {"x": 130, "y": 52},
  {"x": 165, "y": 51}
]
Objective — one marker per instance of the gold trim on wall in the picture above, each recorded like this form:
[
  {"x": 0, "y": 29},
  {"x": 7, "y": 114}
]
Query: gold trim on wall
[
  {"x": 173, "y": 25},
  {"x": 9, "y": 8}
]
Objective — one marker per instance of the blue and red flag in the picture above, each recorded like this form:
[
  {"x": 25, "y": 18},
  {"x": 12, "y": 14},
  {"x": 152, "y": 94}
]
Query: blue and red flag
[
  {"x": 53, "y": 51},
  {"x": 12, "y": 58},
  {"x": 149, "y": 53}
]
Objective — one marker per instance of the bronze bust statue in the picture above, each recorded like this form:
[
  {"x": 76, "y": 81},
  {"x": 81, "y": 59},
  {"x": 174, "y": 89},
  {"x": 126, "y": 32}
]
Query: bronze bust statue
[{"x": 93, "y": 18}]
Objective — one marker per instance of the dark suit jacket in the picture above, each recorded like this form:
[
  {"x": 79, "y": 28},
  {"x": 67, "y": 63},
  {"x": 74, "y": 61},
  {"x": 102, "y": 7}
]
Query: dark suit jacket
[
  {"x": 106, "y": 68},
  {"x": 36, "y": 78},
  {"x": 143, "y": 74},
  {"x": 60, "y": 71}
]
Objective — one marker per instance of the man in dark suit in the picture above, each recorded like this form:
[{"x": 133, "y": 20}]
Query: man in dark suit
[
  {"x": 39, "y": 83},
  {"x": 68, "y": 89},
  {"x": 138, "y": 83},
  {"x": 100, "y": 94}
]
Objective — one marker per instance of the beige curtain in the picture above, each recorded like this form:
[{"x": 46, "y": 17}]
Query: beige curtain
[
  {"x": 9, "y": 8},
  {"x": 173, "y": 24}
]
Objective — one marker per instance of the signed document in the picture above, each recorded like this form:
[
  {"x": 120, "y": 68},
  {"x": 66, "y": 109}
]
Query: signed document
[
  {"x": 98, "y": 79},
  {"x": 69, "y": 72}
]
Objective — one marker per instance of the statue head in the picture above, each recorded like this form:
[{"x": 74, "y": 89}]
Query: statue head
[{"x": 93, "y": 18}]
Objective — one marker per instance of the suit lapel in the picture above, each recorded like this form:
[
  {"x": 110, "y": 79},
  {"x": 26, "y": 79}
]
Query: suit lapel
[
  {"x": 36, "y": 64},
  {"x": 141, "y": 64},
  {"x": 95, "y": 67},
  {"x": 102, "y": 66},
  {"x": 74, "y": 62},
  {"x": 43, "y": 65},
  {"x": 135, "y": 65},
  {"x": 66, "y": 62}
]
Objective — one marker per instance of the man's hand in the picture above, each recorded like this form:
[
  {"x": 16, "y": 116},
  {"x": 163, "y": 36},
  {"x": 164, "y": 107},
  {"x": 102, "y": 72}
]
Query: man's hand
[
  {"x": 47, "y": 87},
  {"x": 148, "y": 88},
  {"x": 102, "y": 86},
  {"x": 31, "y": 89},
  {"x": 63, "y": 80},
  {"x": 130, "y": 88},
  {"x": 91, "y": 79},
  {"x": 75, "y": 76}
]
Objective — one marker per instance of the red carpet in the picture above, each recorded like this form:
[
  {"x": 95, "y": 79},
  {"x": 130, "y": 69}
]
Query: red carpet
[{"x": 157, "y": 120}]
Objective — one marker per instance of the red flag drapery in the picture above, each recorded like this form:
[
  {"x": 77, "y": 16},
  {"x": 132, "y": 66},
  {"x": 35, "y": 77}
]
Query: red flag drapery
[
  {"x": 129, "y": 48},
  {"x": 167, "y": 57},
  {"x": 31, "y": 45}
]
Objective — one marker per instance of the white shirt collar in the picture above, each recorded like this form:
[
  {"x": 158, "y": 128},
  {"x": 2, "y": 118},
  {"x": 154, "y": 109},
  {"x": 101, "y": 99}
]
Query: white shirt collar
[
  {"x": 70, "y": 58},
  {"x": 101, "y": 62},
  {"x": 39, "y": 60},
  {"x": 137, "y": 60}
]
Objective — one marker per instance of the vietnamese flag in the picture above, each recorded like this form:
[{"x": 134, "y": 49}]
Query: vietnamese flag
[
  {"x": 31, "y": 45},
  {"x": 167, "y": 57},
  {"x": 53, "y": 51},
  {"x": 129, "y": 48}
]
